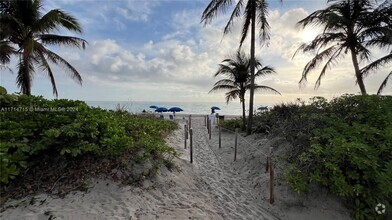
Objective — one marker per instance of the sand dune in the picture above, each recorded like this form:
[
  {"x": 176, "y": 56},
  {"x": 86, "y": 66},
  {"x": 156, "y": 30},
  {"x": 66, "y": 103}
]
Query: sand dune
[{"x": 213, "y": 187}]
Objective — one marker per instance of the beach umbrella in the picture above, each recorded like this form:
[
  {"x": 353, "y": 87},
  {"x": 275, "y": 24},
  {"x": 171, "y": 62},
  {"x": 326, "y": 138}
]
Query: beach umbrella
[
  {"x": 175, "y": 109},
  {"x": 262, "y": 108},
  {"x": 161, "y": 109},
  {"x": 215, "y": 108},
  {"x": 153, "y": 106}
]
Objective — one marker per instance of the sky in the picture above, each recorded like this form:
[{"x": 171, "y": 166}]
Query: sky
[{"x": 157, "y": 50}]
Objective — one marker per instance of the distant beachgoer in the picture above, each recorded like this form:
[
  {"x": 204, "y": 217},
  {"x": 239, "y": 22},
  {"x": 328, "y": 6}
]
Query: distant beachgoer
[
  {"x": 212, "y": 111},
  {"x": 212, "y": 118},
  {"x": 144, "y": 110}
]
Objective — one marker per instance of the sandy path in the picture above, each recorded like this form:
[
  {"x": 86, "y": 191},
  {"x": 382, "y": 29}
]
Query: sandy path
[{"x": 235, "y": 201}]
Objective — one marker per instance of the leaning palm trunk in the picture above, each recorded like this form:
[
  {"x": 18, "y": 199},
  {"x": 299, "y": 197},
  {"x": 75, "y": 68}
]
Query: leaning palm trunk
[
  {"x": 252, "y": 70},
  {"x": 358, "y": 72},
  {"x": 24, "y": 75}
]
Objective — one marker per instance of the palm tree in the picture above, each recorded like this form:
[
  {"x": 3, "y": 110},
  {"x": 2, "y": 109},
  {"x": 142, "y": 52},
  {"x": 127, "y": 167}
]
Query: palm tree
[
  {"x": 349, "y": 26},
  {"x": 253, "y": 11},
  {"x": 238, "y": 81},
  {"x": 25, "y": 33}
]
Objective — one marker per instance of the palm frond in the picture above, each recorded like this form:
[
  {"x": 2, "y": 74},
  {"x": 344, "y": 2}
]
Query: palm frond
[
  {"x": 362, "y": 52},
  {"x": 264, "y": 71},
  {"x": 214, "y": 8},
  {"x": 226, "y": 82},
  {"x": 232, "y": 95},
  {"x": 55, "y": 19},
  {"x": 321, "y": 41},
  {"x": 262, "y": 9},
  {"x": 264, "y": 88},
  {"x": 222, "y": 87},
  {"x": 384, "y": 84},
  {"x": 6, "y": 50},
  {"x": 59, "y": 40},
  {"x": 312, "y": 64},
  {"x": 380, "y": 36},
  {"x": 330, "y": 62},
  {"x": 46, "y": 67},
  {"x": 235, "y": 14},
  {"x": 365, "y": 71},
  {"x": 313, "y": 19},
  {"x": 224, "y": 70},
  {"x": 249, "y": 13},
  {"x": 56, "y": 59}
]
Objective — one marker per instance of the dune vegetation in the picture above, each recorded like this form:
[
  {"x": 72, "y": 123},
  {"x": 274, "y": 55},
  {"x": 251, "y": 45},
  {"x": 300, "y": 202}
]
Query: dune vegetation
[
  {"x": 44, "y": 140},
  {"x": 344, "y": 145}
]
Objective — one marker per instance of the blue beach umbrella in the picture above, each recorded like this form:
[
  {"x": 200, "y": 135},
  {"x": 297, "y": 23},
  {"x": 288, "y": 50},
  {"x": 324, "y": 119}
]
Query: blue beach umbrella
[
  {"x": 161, "y": 109},
  {"x": 262, "y": 108},
  {"x": 153, "y": 106},
  {"x": 215, "y": 108},
  {"x": 175, "y": 109}
]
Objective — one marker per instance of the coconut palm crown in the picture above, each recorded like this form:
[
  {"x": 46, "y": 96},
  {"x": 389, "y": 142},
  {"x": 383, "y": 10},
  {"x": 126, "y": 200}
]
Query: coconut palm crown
[
  {"x": 349, "y": 26},
  {"x": 238, "y": 79},
  {"x": 26, "y": 32}
]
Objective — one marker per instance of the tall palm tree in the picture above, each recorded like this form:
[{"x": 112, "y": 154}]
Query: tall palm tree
[
  {"x": 382, "y": 18},
  {"x": 238, "y": 81},
  {"x": 25, "y": 33},
  {"x": 349, "y": 26},
  {"x": 252, "y": 11}
]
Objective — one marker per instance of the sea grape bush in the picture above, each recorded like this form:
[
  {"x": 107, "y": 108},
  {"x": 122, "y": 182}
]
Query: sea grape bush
[
  {"x": 344, "y": 145},
  {"x": 32, "y": 125},
  {"x": 232, "y": 124}
]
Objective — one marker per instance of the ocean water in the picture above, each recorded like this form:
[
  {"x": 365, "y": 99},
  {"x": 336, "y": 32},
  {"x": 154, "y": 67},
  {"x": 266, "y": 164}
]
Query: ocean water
[{"x": 233, "y": 108}]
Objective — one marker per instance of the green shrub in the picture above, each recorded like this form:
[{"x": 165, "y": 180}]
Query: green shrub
[
  {"x": 3, "y": 91},
  {"x": 232, "y": 124},
  {"x": 344, "y": 145},
  {"x": 32, "y": 125}
]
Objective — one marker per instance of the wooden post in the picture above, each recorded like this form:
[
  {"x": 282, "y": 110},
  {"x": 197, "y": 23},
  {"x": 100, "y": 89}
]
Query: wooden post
[
  {"x": 191, "y": 144},
  {"x": 210, "y": 130},
  {"x": 186, "y": 132},
  {"x": 208, "y": 125},
  {"x": 220, "y": 137},
  {"x": 185, "y": 135},
  {"x": 190, "y": 122},
  {"x": 267, "y": 166},
  {"x": 272, "y": 196},
  {"x": 235, "y": 144}
]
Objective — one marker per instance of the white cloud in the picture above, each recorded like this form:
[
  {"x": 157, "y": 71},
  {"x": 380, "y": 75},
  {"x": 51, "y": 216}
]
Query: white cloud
[{"x": 189, "y": 64}]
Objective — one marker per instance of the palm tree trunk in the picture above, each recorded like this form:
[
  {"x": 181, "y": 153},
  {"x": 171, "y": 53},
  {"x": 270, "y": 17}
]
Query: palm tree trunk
[
  {"x": 243, "y": 113},
  {"x": 357, "y": 71},
  {"x": 26, "y": 76},
  {"x": 252, "y": 67}
]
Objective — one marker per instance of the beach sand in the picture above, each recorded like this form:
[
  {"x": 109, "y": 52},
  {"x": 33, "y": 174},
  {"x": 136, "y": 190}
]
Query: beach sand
[{"x": 212, "y": 187}]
